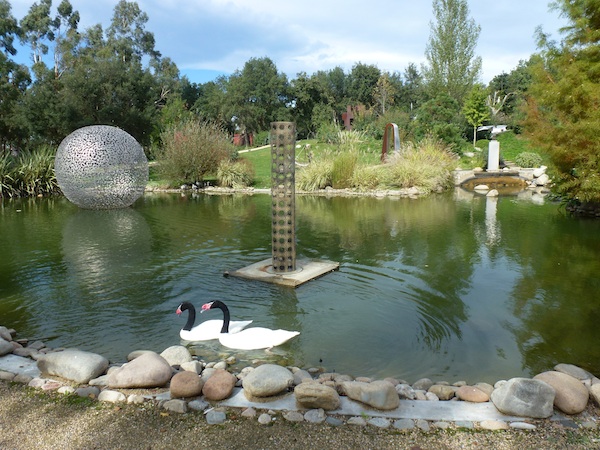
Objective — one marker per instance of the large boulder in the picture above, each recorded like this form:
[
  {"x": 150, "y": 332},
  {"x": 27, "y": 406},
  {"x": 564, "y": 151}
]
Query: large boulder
[
  {"x": 267, "y": 380},
  {"x": 74, "y": 365},
  {"x": 5, "y": 347},
  {"x": 378, "y": 394},
  {"x": 571, "y": 395},
  {"x": 314, "y": 395},
  {"x": 219, "y": 385},
  {"x": 176, "y": 355},
  {"x": 524, "y": 397},
  {"x": 146, "y": 371}
]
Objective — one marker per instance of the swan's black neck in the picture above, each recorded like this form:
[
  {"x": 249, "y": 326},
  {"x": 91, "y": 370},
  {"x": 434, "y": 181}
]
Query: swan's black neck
[
  {"x": 225, "y": 309},
  {"x": 191, "y": 315}
]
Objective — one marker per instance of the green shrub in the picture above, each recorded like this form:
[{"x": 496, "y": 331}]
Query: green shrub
[
  {"x": 315, "y": 176},
  {"x": 367, "y": 178},
  {"x": 235, "y": 174},
  {"x": 191, "y": 150},
  {"x": 328, "y": 133},
  {"x": 342, "y": 169},
  {"x": 528, "y": 159},
  {"x": 428, "y": 166},
  {"x": 7, "y": 187},
  {"x": 30, "y": 173}
]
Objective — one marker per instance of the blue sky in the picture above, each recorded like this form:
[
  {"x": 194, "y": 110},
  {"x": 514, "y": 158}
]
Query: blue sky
[{"x": 206, "y": 38}]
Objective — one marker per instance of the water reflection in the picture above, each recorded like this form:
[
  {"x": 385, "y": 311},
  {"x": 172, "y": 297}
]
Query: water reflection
[
  {"x": 100, "y": 247},
  {"x": 447, "y": 287}
]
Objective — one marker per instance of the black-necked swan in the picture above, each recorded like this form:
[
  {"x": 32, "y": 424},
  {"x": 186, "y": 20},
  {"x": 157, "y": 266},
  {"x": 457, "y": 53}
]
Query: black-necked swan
[
  {"x": 207, "y": 330},
  {"x": 250, "y": 338}
]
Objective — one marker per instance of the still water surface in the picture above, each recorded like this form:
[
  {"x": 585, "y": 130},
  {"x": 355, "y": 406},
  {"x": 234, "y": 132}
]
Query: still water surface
[{"x": 448, "y": 287}]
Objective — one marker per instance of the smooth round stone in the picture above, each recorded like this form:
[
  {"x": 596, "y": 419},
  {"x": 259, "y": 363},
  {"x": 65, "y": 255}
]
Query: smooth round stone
[
  {"x": 176, "y": 406},
  {"x": 66, "y": 390},
  {"x": 215, "y": 417},
  {"x": 249, "y": 412},
  {"x": 111, "y": 396},
  {"x": 186, "y": 384},
  {"x": 198, "y": 405},
  {"x": 493, "y": 425},
  {"x": 315, "y": 416},
  {"x": 334, "y": 421},
  {"x": 264, "y": 419},
  {"x": 379, "y": 422},
  {"x": 357, "y": 421},
  {"x": 522, "y": 426},
  {"x": 293, "y": 416},
  {"x": 404, "y": 424},
  {"x": 472, "y": 394}
]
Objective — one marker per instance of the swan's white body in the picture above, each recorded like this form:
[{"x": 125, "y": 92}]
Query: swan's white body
[
  {"x": 256, "y": 338},
  {"x": 250, "y": 338},
  {"x": 209, "y": 329}
]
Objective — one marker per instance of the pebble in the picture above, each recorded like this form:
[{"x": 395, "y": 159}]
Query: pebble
[
  {"x": 293, "y": 416},
  {"x": 522, "y": 426},
  {"x": 135, "y": 399},
  {"x": 111, "y": 396},
  {"x": 198, "y": 405},
  {"x": 357, "y": 421},
  {"x": 176, "y": 406},
  {"x": 334, "y": 421},
  {"x": 493, "y": 425},
  {"x": 249, "y": 412},
  {"x": 422, "y": 424},
  {"x": 215, "y": 417},
  {"x": 315, "y": 416},
  {"x": 379, "y": 422},
  {"x": 89, "y": 392},
  {"x": 404, "y": 424},
  {"x": 66, "y": 390},
  {"x": 264, "y": 419}
]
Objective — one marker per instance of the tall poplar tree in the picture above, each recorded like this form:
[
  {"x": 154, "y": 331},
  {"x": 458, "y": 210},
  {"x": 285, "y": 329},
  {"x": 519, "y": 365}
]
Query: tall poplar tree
[{"x": 452, "y": 66}]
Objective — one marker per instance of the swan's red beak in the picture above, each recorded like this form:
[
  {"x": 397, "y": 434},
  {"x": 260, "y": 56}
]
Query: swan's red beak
[
  {"x": 206, "y": 307},
  {"x": 178, "y": 312}
]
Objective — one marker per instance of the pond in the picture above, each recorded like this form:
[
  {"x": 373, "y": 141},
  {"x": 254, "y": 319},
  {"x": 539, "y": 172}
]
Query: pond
[{"x": 457, "y": 286}]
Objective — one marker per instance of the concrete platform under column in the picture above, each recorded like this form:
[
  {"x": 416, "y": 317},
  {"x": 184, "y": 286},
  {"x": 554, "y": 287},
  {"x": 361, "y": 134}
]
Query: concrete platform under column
[{"x": 306, "y": 270}]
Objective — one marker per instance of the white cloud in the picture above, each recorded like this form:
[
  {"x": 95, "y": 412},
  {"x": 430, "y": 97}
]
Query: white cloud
[{"x": 221, "y": 35}]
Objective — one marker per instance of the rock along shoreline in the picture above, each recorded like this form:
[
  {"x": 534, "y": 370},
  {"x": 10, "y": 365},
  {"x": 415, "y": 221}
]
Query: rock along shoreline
[{"x": 177, "y": 382}]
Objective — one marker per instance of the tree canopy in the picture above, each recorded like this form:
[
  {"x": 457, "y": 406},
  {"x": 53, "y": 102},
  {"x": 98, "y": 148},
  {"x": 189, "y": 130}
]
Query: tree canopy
[{"x": 562, "y": 111}]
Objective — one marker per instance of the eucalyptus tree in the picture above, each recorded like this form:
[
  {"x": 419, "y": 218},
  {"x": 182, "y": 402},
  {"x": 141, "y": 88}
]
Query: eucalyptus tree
[
  {"x": 37, "y": 29},
  {"x": 127, "y": 36},
  {"x": 66, "y": 36},
  {"x": 14, "y": 79},
  {"x": 452, "y": 66}
]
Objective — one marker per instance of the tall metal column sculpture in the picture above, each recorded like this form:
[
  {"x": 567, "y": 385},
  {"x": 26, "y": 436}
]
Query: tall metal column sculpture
[
  {"x": 282, "y": 267},
  {"x": 283, "y": 193}
]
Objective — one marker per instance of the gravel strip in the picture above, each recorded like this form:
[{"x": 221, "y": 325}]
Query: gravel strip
[{"x": 33, "y": 419}]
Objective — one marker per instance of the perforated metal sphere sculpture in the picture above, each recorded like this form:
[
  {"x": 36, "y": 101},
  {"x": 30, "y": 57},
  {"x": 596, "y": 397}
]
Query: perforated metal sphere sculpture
[{"x": 101, "y": 167}]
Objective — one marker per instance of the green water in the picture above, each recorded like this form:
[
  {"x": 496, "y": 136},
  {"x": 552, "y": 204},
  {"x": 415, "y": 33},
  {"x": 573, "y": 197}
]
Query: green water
[{"x": 448, "y": 287}]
